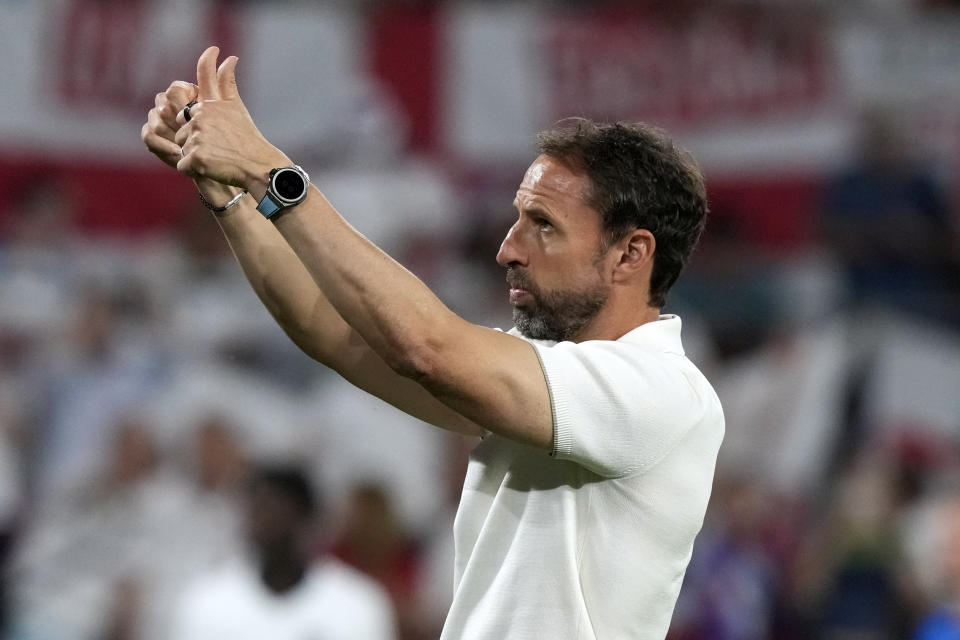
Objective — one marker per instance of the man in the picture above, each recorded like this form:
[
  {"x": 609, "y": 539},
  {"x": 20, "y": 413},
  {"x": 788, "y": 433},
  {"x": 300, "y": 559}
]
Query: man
[
  {"x": 283, "y": 594},
  {"x": 581, "y": 504}
]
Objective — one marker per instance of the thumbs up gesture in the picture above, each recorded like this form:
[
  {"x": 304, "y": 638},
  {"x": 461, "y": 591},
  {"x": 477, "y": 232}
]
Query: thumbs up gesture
[{"x": 221, "y": 142}]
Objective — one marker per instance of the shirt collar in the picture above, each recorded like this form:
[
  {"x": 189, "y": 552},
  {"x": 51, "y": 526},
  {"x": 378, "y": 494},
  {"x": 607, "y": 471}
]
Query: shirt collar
[{"x": 662, "y": 334}]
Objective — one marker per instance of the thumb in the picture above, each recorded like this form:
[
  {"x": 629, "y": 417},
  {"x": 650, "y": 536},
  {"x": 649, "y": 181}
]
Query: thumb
[
  {"x": 206, "y": 74},
  {"x": 227, "y": 78}
]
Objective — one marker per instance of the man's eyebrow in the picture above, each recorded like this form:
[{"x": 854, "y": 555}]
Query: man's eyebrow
[{"x": 533, "y": 209}]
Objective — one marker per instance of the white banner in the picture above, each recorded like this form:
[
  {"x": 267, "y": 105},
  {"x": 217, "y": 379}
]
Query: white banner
[{"x": 79, "y": 76}]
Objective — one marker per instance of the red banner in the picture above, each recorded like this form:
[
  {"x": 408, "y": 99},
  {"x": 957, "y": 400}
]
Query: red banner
[
  {"x": 103, "y": 60},
  {"x": 705, "y": 67}
]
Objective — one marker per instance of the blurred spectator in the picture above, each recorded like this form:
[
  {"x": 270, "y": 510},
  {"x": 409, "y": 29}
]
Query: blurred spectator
[
  {"x": 851, "y": 575},
  {"x": 373, "y": 541},
  {"x": 111, "y": 560},
  {"x": 722, "y": 287},
  {"x": 197, "y": 271},
  {"x": 732, "y": 589},
  {"x": 10, "y": 501},
  {"x": 219, "y": 460},
  {"x": 37, "y": 245},
  {"x": 103, "y": 372},
  {"x": 888, "y": 221},
  {"x": 944, "y": 622},
  {"x": 358, "y": 441},
  {"x": 280, "y": 593},
  {"x": 74, "y": 560},
  {"x": 783, "y": 405},
  {"x": 199, "y": 531}
]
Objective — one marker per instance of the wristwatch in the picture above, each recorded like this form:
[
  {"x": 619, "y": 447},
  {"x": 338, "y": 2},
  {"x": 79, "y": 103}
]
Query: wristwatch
[{"x": 286, "y": 187}]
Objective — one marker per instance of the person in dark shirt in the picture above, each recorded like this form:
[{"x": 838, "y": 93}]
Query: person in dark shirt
[{"x": 891, "y": 228}]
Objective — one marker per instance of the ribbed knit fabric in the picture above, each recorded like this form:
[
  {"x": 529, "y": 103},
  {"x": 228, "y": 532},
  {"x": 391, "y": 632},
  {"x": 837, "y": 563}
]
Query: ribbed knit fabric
[{"x": 592, "y": 541}]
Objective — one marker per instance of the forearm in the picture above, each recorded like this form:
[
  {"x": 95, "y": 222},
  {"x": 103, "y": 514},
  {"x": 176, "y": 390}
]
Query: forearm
[
  {"x": 438, "y": 360},
  {"x": 288, "y": 291},
  {"x": 392, "y": 310},
  {"x": 280, "y": 280}
]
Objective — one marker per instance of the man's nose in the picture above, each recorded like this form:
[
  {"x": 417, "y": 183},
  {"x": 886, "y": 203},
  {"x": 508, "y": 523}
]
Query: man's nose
[{"x": 511, "y": 249}]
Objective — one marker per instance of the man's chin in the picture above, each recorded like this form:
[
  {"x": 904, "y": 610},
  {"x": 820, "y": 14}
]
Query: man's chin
[{"x": 530, "y": 326}]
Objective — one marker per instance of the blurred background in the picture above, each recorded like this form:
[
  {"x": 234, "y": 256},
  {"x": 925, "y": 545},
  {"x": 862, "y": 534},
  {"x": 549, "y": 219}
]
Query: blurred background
[{"x": 141, "y": 382}]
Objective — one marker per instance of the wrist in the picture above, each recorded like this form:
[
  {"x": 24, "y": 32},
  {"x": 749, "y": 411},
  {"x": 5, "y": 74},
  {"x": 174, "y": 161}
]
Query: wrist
[
  {"x": 215, "y": 191},
  {"x": 218, "y": 197},
  {"x": 257, "y": 172}
]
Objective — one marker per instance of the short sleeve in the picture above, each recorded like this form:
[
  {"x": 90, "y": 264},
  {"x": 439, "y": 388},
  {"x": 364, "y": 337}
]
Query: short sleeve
[{"x": 619, "y": 408}]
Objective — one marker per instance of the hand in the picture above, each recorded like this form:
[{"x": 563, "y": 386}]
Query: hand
[
  {"x": 159, "y": 133},
  {"x": 160, "y": 130},
  {"x": 221, "y": 142}
]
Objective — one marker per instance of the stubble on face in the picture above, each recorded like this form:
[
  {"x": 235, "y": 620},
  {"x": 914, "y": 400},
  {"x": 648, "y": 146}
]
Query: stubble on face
[{"x": 556, "y": 315}]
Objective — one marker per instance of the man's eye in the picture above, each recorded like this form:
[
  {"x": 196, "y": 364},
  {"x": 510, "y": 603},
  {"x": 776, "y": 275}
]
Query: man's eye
[{"x": 543, "y": 224}]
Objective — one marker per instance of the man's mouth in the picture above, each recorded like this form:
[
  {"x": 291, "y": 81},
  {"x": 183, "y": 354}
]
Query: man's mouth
[
  {"x": 519, "y": 288},
  {"x": 516, "y": 295}
]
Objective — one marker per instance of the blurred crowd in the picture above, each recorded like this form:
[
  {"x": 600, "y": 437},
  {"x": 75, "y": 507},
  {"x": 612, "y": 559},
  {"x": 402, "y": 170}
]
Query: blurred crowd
[{"x": 167, "y": 455}]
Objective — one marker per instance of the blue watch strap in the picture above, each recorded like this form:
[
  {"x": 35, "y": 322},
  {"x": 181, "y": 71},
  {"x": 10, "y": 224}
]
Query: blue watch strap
[{"x": 268, "y": 206}]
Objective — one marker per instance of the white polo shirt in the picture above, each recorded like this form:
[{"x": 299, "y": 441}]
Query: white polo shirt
[
  {"x": 332, "y": 602},
  {"x": 590, "y": 543}
]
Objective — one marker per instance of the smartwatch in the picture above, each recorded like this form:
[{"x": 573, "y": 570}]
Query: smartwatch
[{"x": 286, "y": 187}]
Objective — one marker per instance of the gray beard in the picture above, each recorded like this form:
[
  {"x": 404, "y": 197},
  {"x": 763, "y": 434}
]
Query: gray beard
[{"x": 559, "y": 315}]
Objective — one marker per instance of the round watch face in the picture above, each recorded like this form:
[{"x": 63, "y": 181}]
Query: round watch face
[{"x": 289, "y": 184}]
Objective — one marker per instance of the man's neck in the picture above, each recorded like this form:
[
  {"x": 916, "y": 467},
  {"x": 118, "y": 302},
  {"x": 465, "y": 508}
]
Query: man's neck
[{"x": 612, "y": 326}]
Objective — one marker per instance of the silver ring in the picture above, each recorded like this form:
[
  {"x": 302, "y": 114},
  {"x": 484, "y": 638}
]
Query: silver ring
[
  {"x": 186, "y": 110},
  {"x": 181, "y": 152}
]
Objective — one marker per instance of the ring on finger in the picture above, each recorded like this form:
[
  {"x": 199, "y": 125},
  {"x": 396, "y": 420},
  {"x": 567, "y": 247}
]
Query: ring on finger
[{"x": 186, "y": 110}]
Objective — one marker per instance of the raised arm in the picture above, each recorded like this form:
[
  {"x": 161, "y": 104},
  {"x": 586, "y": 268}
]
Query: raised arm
[
  {"x": 282, "y": 282},
  {"x": 491, "y": 378}
]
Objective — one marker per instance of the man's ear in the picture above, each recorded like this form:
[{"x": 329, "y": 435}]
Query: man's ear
[{"x": 636, "y": 254}]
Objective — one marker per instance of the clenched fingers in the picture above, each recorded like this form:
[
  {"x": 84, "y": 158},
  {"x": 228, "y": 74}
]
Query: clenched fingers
[
  {"x": 165, "y": 149},
  {"x": 180, "y": 92},
  {"x": 160, "y": 126},
  {"x": 172, "y": 101}
]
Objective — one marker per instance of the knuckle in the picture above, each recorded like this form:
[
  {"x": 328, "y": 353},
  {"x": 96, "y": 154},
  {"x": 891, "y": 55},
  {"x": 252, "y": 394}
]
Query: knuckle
[{"x": 188, "y": 166}]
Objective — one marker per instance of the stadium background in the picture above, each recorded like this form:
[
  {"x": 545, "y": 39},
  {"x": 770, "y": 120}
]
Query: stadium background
[{"x": 139, "y": 376}]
